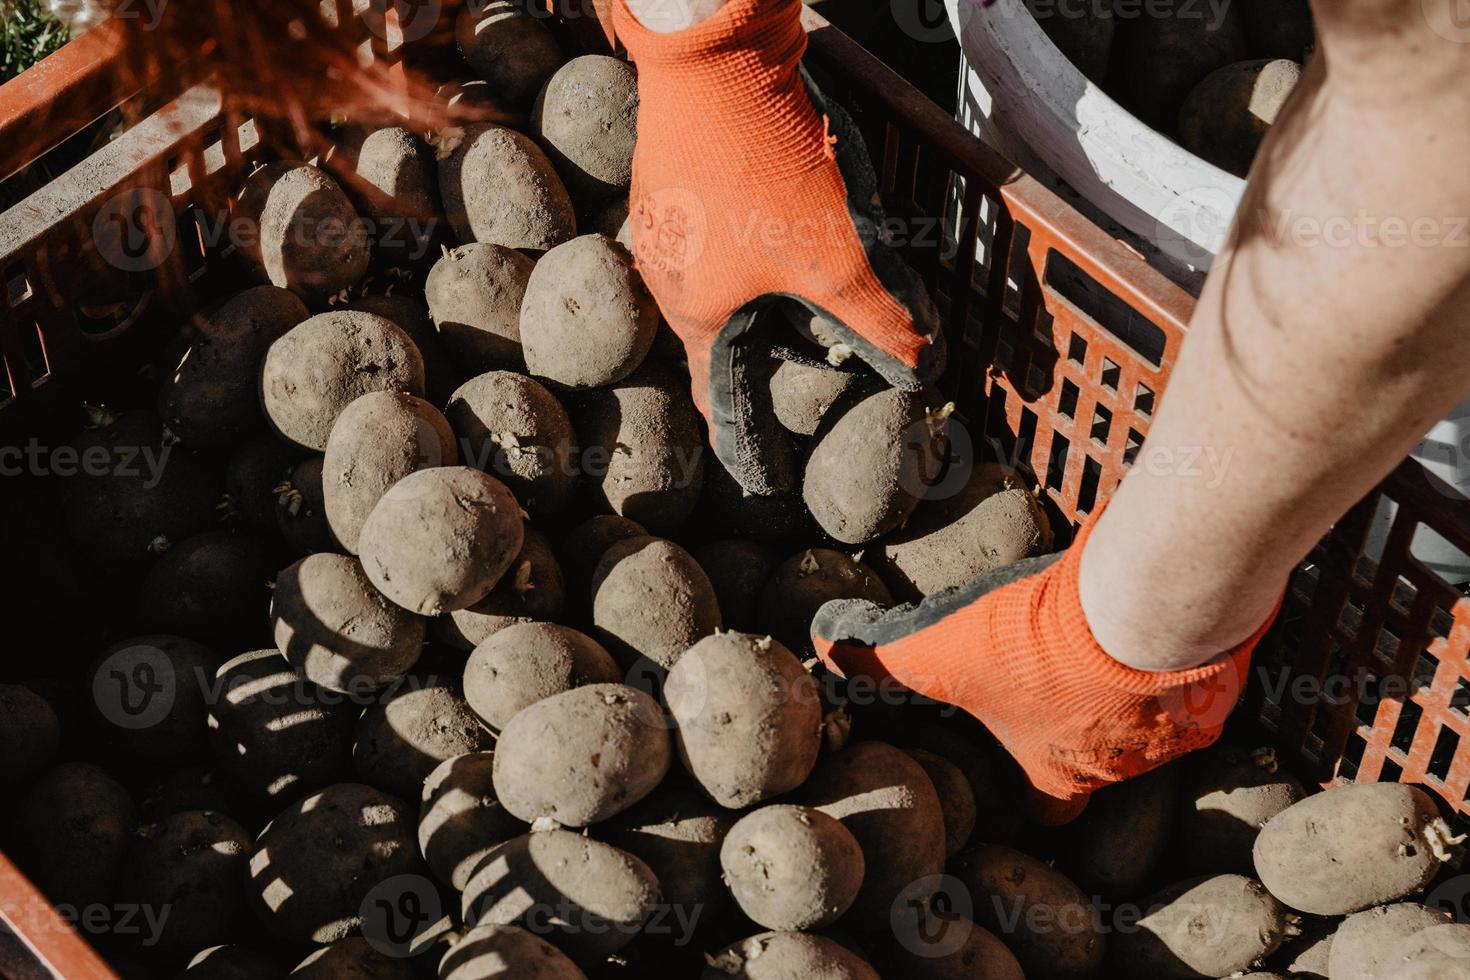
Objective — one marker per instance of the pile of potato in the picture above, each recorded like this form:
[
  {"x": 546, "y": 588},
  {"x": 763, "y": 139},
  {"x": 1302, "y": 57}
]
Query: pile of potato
[{"x": 440, "y": 645}]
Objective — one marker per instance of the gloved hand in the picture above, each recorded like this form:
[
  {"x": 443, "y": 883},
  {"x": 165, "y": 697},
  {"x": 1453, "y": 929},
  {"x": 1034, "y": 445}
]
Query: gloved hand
[
  {"x": 748, "y": 188},
  {"x": 1013, "y": 649}
]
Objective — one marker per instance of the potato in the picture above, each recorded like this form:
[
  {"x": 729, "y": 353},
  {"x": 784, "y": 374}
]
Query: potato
[
  {"x": 581, "y": 550},
  {"x": 513, "y": 427},
  {"x": 801, "y": 393},
  {"x": 787, "y": 956},
  {"x": 1160, "y": 59},
  {"x": 474, "y": 294},
  {"x": 587, "y": 319},
  {"x": 644, "y": 447},
  {"x": 149, "y": 696},
  {"x": 1120, "y": 840},
  {"x": 738, "y": 571},
  {"x": 338, "y": 630},
  {"x": 1202, "y": 927},
  {"x": 1436, "y": 953},
  {"x": 306, "y": 892},
  {"x": 460, "y": 819},
  {"x": 529, "y": 662},
  {"x": 997, "y": 790},
  {"x": 323, "y": 364},
  {"x": 531, "y": 591},
  {"x": 411, "y": 315},
  {"x": 792, "y": 868},
  {"x": 871, "y": 461},
  {"x": 29, "y": 735},
  {"x": 301, "y": 509},
  {"x": 582, "y": 756},
  {"x": 499, "y": 188},
  {"x": 1228, "y": 114},
  {"x": 1363, "y": 945},
  {"x": 252, "y": 474},
  {"x": 650, "y": 599},
  {"x": 609, "y": 218},
  {"x": 1351, "y": 848},
  {"x": 586, "y": 118},
  {"x": 440, "y": 539},
  {"x": 378, "y": 440},
  {"x": 192, "y": 864},
  {"x": 208, "y": 395},
  {"x": 1305, "y": 956},
  {"x": 193, "y": 787},
  {"x": 677, "y": 831},
  {"x": 884, "y": 798},
  {"x": 70, "y": 832},
  {"x": 1229, "y": 795},
  {"x": 275, "y": 736},
  {"x": 591, "y": 898},
  {"x": 213, "y": 587},
  {"x": 492, "y": 952},
  {"x": 944, "y": 945},
  {"x": 956, "y": 799},
  {"x": 1084, "y": 34},
  {"x": 394, "y": 181},
  {"x": 305, "y": 235},
  {"x": 353, "y": 958},
  {"x": 507, "y": 47},
  {"x": 232, "y": 963},
  {"x": 142, "y": 497},
  {"x": 803, "y": 583},
  {"x": 1045, "y": 919},
  {"x": 402, "y": 737},
  {"x": 993, "y": 521},
  {"x": 1279, "y": 28}
]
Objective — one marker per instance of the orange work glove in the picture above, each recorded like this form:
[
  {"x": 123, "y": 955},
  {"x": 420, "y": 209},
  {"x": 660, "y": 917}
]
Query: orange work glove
[
  {"x": 1014, "y": 649},
  {"x": 749, "y": 189}
]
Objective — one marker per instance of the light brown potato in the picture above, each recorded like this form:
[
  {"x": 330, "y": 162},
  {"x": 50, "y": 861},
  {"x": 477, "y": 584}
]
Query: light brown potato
[
  {"x": 587, "y": 319},
  {"x": 531, "y": 591},
  {"x": 586, "y": 118},
  {"x": 511, "y": 50},
  {"x": 650, "y": 599},
  {"x": 460, "y": 820},
  {"x": 323, "y": 364},
  {"x": 738, "y": 570},
  {"x": 494, "y": 952},
  {"x": 590, "y": 898},
  {"x": 956, "y": 799},
  {"x": 1436, "y": 953},
  {"x": 1203, "y": 927},
  {"x": 149, "y": 695},
  {"x": 1231, "y": 110},
  {"x": 334, "y": 626},
  {"x": 791, "y": 867},
  {"x": 1306, "y": 955},
  {"x": 529, "y": 662},
  {"x": 252, "y": 474},
  {"x": 213, "y": 587},
  {"x": 946, "y": 946},
  {"x": 787, "y": 956},
  {"x": 402, "y": 737},
  {"x": 1160, "y": 59},
  {"x": 1363, "y": 945},
  {"x": 884, "y": 798},
  {"x": 579, "y": 553},
  {"x": 677, "y": 831},
  {"x": 582, "y": 756},
  {"x": 474, "y": 294},
  {"x": 29, "y": 735},
  {"x": 1230, "y": 793},
  {"x": 378, "y": 440},
  {"x": 512, "y": 427},
  {"x": 1351, "y": 848},
  {"x": 610, "y": 218},
  {"x": 440, "y": 539},
  {"x": 411, "y": 315},
  {"x": 70, "y": 833},
  {"x": 803, "y": 583},
  {"x": 352, "y": 958},
  {"x": 998, "y": 790},
  {"x": 305, "y": 235},
  {"x": 802, "y": 393},
  {"x": 1121, "y": 838},
  {"x": 207, "y": 393},
  {"x": 392, "y": 177},
  {"x": 499, "y": 188}
]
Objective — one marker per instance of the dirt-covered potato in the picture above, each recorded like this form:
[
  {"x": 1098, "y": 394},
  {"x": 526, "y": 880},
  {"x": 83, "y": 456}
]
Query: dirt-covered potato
[
  {"x": 1229, "y": 794},
  {"x": 1122, "y": 836},
  {"x": 1158, "y": 60},
  {"x": 586, "y": 118},
  {"x": 1228, "y": 114},
  {"x": 411, "y": 315},
  {"x": 803, "y": 583},
  {"x": 1203, "y": 927},
  {"x": 192, "y": 864},
  {"x": 1352, "y": 847},
  {"x": 402, "y": 737},
  {"x": 305, "y": 235},
  {"x": 956, "y": 798},
  {"x": 749, "y": 717},
  {"x": 787, "y": 956},
  {"x": 275, "y": 736},
  {"x": 474, "y": 294},
  {"x": 643, "y": 447},
  {"x": 650, "y": 599},
  {"x": 335, "y": 627},
  {"x": 581, "y": 550},
  {"x": 1436, "y": 953},
  {"x": 511, "y": 50},
  {"x": 590, "y": 898},
  {"x": 582, "y": 756},
  {"x": 773, "y": 519},
  {"x": 306, "y": 892},
  {"x": 353, "y": 958},
  {"x": 792, "y": 867},
  {"x": 1307, "y": 949},
  {"x": 531, "y": 591},
  {"x": 460, "y": 819},
  {"x": 252, "y": 475},
  {"x": 888, "y": 803},
  {"x": 587, "y": 319},
  {"x": 440, "y": 539},
  {"x": 801, "y": 393},
  {"x": 529, "y": 662},
  {"x": 677, "y": 831},
  {"x": 301, "y": 509},
  {"x": 511, "y": 426},
  {"x": 944, "y": 945},
  {"x": 378, "y": 440},
  {"x": 993, "y": 521},
  {"x": 213, "y": 587},
  {"x": 323, "y": 364},
  {"x": 194, "y": 787},
  {"x": 207, "y": 393},
  {"x": 609, "y": 218},
  {"x": 738, "y": 570},
  {"x": 149, "y": 695},
  {"x": 1045, "y": 919},
  {"x": 1279, "y": 28},
  {"x": 493, "y": 952},
  {"x": 394, "y": 181},
  {"x": 997, "y": 789},
  {"x": 70, "y": 832},
  {"x": 232, "y": 963},
  {"x": 29, "y": 735},
  {"x": 871, "y": 461},
  {"x": 499, "y": 188},
  {"x": 1363, "y": 945}
]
